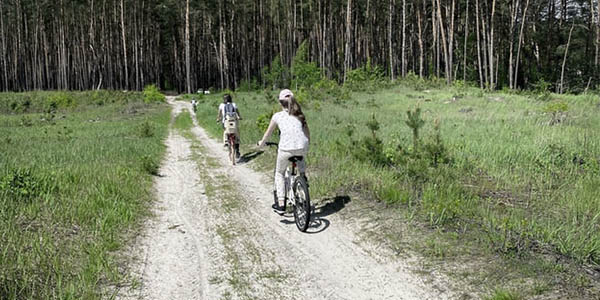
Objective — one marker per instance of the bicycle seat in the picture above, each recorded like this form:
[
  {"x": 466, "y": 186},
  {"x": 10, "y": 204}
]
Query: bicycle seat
[{"x": 295, "y": 158}]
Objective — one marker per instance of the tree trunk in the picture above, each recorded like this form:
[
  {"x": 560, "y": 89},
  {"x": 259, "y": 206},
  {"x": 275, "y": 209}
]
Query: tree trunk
[
  {"x": 597, "y": 59},
  {"x": 126, "y": 80},
  {"x": 478, "y": 45},
  {"x": 403, "y": 38},
  {"x": 451, "y": 44},
  {"x": 491, "y": 51},
  {"x": 513, "y": 20},
  {"x": 63, "y": 54},
  {"x": 348, "y": 38},
  {"x": 447, "y": 68},
  {"x": 465, "y": 46},
  {"x": 523, "y": 19},
  {"x": 435, "y": 43},
  {"x": 562, "y": 72},
  {"x": 421, "y": 50},
  {"x": 390, "y": 40},
  {"x": 187, "y": 47},
  {"x": 4, "y": 65}
]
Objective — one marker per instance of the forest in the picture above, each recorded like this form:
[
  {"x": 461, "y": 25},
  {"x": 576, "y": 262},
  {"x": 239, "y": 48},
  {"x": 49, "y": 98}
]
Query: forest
[{"x": 221, "y": 44}]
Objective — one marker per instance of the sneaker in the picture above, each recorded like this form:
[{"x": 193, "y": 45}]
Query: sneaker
[{"x": 276, "y": 207}]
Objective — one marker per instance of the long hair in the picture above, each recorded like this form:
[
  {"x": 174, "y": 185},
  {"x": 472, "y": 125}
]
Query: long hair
[
  {"x": 295, "y": 110},
  {"x": 226, "y": 98}
]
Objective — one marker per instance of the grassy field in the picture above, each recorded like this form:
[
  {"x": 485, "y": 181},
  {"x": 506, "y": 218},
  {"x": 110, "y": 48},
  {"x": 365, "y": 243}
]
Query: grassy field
[
  {"x": 75, "y": 179},
  {"x": 508, "y": 183}
]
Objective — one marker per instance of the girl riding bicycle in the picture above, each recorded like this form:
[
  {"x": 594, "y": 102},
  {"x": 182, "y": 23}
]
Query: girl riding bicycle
[{"x": 293, "y": 140}]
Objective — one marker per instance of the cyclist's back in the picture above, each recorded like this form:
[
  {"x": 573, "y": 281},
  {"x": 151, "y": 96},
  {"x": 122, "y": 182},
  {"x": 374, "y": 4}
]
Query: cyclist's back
[
  {"x": 292, "y": 136},
  {"x": 228, "y": 111},
  {"x": 293, "y": 141}
]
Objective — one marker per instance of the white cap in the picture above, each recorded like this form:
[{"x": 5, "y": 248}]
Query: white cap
[{"x": 285, "y": 94}]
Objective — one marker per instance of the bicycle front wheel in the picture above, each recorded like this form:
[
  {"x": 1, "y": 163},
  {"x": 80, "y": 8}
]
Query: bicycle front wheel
[{"x": 302, "y": 204}]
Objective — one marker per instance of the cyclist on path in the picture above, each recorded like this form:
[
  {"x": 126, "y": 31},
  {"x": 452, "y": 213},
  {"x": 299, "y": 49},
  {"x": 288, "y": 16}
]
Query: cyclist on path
[
  {"x": 294, "y": 139},
  {"x": 228, "y": 109}
]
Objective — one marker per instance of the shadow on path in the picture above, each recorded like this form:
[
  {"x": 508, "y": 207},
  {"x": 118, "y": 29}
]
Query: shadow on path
[
  {"x": 249, "y": 156},
  {"x": 318, "y": 222}
]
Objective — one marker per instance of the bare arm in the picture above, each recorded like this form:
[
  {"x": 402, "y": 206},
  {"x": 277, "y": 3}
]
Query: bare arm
[
  {"x": 238, "y": 114},
  {"x": 268, "y": 133},
  {"x": 219, "y": 116}
]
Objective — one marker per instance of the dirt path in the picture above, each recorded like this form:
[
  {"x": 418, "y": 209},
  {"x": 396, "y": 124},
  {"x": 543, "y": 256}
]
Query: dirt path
[{"x": 215, "y": 236}]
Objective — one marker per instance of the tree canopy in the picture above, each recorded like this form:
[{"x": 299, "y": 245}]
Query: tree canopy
[{"x": 126, "y": 44}]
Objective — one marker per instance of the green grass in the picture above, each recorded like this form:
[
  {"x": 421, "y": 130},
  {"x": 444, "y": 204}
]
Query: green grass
[
  {"x": 515, "y": 187},
  {"x": 74, "y": 181},
  {"x": 504, "y": 295},
  {"x": 183, "y": 121}
]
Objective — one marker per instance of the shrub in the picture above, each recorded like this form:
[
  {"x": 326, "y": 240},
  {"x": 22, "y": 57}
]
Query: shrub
[
  {"x": 262, "y": 122},
  {"x": 21, "y": 184},
  {"x": 366, "y": 78},
  {"x": 146, "y": 129},
  {"x": 26, "y": 121},
  {"x": 152, "y": 94},
  {"x": 435, "y": 149},
  {"x": 248, "y": 85},
  {"x": 557, "y": 110},
  {"x": 415, "y": 123},
  {"x": 304, "y": 73},
  {"x": 275, "y": 76},
  {"x": 269, "y": 97},
  {"x": 541, "y": 90},
  {"x": 150, "y": 165},
  {"x": 61, "y": 100},
  {"x": 370, "y": 148}
]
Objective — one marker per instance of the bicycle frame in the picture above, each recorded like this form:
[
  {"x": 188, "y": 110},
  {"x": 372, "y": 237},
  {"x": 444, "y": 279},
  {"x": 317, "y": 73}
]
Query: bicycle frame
[
  {"x": 296, "y": 194},
  {"x": 289, "y": 177}
]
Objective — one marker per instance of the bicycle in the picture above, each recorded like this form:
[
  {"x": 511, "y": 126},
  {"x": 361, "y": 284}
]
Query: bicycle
[
  {"x": 231, "y": 128},
  {"x": 296, "y": 193},
  {"x": 195, "y": 105}
]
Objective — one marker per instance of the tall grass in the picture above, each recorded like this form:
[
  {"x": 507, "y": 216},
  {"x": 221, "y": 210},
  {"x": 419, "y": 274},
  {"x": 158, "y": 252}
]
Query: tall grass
[
  {"x": 516, "y": 182},
  {"x": 72, "y": 185}
]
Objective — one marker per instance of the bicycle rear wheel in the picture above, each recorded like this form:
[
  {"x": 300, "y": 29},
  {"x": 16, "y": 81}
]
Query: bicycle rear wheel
[
  {"x": 302, "y": 204},
  {"x": 231, "y": 138}
]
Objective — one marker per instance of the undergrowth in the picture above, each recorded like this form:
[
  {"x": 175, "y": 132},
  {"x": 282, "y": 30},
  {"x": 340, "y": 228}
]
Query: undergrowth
[
  {"x": 483, "y": 166},
  {"x": 75, "y": 179}
]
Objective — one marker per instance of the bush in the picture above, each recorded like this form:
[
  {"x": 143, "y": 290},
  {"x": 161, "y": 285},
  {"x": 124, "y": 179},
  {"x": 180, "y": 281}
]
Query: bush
[
  {"x": 370, "y": 148},
  {"x": 248, "y": 85},
  {"x": 150, "y": 165},
  {"x": 541, "y": 90},
  {"x": 60, "y": 100},
  {"x": 146, "y": 129},
  {"x": 557, "y": 110},
  {"x": 277, "y": 75},
  {"x": 26, "y": 121},
  {"x": 304, "y": 73},
  {"x": 21, "y": 184},
  {"x": 152, "y": 94},
  {"x": 269, "y": 97},
  {"x": 262, "y": 122},
  {"x": 366, "y": 78},
  {"x": 434, "y": 149}
]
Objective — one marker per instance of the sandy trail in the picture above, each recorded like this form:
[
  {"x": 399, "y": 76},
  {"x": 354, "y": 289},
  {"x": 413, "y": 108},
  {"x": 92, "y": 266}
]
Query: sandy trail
[{"x": 215, "y": 236}]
